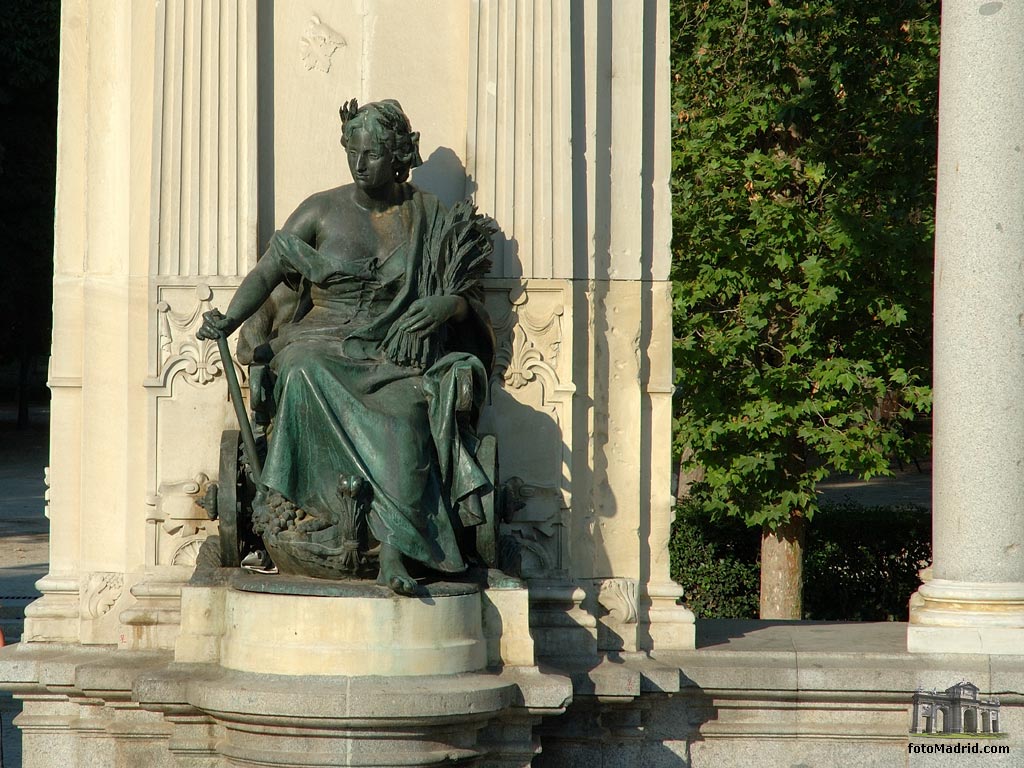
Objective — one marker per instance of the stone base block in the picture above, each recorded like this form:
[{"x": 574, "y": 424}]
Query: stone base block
[
  {"x": 993, "y": 641},
  {"x": 506, "y": 624},
  {"x": 967, "y": 617},
  {"x": 324, "y": 721}
]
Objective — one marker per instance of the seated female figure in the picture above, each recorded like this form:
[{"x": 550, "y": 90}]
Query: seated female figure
[{"x": 388, "y": 347}]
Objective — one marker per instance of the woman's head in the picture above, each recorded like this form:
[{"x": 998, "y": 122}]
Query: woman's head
[{"x": 385, "y": 123}]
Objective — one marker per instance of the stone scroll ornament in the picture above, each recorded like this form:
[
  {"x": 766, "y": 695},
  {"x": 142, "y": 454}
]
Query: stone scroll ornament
[{"x": 374, "y": 380}]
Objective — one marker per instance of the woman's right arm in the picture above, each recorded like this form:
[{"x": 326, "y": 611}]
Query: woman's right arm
[
  {"x": 263, "y": 279},
  {"x": 254, "y": 290}
]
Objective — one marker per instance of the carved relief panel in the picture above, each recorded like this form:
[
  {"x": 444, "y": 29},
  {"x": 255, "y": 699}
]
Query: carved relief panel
[
  {"x": 99, "y": 592},
  {"x": 179, "y": 313},
  {"x": 530, "y": 411},
  {"x": 189, "y": 408},
  {"x": 179, "y": 524}
]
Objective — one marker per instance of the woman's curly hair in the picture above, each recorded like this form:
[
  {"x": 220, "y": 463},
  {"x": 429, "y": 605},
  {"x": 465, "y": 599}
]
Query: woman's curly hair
[{"x": 387, "y": 123}]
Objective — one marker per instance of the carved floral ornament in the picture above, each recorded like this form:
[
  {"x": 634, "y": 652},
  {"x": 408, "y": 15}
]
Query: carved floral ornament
[
  {"x": 100, "y": 593},
  {"x": 619, "y": 598},
  {"x": 318, "y": 45},
  {"x": 198, "y": 361},
  {"x": 528, "y": 341}
]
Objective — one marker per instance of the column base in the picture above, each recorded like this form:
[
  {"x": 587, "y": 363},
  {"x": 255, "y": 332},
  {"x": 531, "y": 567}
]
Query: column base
[
  {"x": 967, "y": 617},
  {"x": 671, "y": 626},
  {"x": 54, "y": 617}
]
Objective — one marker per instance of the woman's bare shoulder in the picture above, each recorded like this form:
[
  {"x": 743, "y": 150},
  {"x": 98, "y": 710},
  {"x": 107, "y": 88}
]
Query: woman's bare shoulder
[
  {"x": 312, "y": 212},
  {"x": 326, "y": 199}
]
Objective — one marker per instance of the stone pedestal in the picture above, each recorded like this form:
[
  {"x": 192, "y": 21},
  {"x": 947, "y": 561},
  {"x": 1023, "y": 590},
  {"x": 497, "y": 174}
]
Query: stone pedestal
[
  {"x": 973, "y": 601},
  {"x": 297, "y": 671},
  {"x": 292, "y": 626},
  {"x": 327, "y": 721},
  {"x": 277, "y": 670}
]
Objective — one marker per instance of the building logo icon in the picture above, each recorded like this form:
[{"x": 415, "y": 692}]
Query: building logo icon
[{"x": 957, "y": 711}]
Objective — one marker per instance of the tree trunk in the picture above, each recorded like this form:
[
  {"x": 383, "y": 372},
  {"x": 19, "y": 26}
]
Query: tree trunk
[{"x": 782, "y": 569}]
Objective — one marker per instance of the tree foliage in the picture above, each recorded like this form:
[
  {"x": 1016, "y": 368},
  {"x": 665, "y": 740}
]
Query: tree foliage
[
  {"x": 29, "y": 43},
  {"x": 803, "y": 191}
]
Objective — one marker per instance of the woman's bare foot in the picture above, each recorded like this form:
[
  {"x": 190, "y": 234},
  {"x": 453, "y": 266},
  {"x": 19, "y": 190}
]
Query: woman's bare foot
[{"x": 393, "y": 573}]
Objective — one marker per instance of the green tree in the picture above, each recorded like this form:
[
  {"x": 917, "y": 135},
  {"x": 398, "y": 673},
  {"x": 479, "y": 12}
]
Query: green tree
[
  {"x": 29, "y": 42},
  {"x": 803, "y": 198}
]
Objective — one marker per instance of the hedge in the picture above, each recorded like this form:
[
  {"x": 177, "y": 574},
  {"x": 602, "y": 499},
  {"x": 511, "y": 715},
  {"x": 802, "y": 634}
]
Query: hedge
[{"x": 860, "y": 563}]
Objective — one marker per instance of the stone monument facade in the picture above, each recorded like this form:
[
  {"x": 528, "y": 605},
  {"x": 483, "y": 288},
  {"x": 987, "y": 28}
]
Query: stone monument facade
[
  {"x": 188, "y": 131},
  {"x": 182, "y": 124}
]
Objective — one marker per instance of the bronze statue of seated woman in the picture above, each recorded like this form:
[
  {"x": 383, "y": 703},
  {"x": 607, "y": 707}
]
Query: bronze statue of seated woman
[{"x": 379, "y": 373}]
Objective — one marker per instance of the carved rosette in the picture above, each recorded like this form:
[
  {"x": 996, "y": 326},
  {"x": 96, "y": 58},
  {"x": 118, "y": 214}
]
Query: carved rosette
[{"x": 187, "y": 554}]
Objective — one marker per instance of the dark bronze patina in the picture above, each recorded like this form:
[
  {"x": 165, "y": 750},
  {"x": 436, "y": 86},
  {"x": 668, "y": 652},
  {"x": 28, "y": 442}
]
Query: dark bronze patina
[{"x": 379, "y": 369}]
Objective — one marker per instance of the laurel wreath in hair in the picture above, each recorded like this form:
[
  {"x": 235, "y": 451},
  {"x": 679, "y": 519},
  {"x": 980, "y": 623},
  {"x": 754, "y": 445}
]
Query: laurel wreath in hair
[
  {"x": 457, "y": 258},
  {"x": 393, "y": 123},
  {"x": 348, "y": 110}
]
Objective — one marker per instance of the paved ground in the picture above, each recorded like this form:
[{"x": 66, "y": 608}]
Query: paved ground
[
  {"x": 24, "y": 529},
  {"x": 24, "y": 542},
  {"x": 912, "y": 484},
  {"x": 751, "y": 635}
]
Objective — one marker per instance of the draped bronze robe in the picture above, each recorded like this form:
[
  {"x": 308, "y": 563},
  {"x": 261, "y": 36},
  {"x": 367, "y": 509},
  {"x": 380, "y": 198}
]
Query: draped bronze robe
[{"x": 344, "y": 408}]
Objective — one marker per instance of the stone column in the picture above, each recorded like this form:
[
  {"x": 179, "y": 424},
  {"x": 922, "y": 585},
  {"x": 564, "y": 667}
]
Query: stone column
[
  {"x": 568, "y": 147},
  {"x": 973, "y": 600},
  {"x": 155, "y": 222}
]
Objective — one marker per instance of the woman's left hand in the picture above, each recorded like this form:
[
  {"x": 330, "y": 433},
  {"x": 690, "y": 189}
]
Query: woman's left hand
[{"x": 428, "y": 314}]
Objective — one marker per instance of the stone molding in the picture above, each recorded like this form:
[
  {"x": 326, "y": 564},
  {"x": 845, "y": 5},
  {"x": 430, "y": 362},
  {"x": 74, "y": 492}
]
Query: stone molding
[{"x": 54, "y": 617}]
